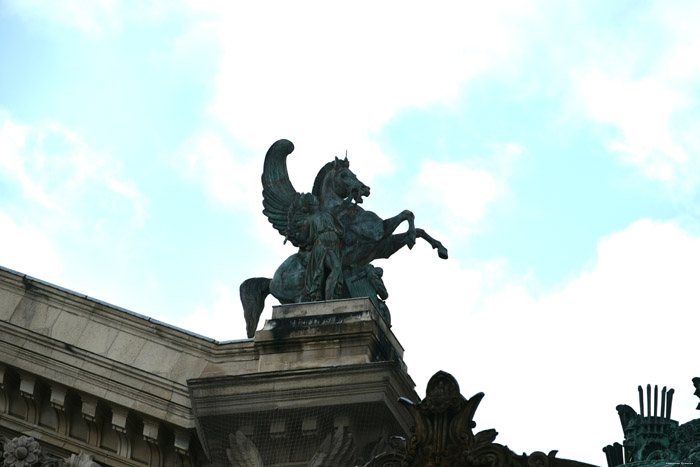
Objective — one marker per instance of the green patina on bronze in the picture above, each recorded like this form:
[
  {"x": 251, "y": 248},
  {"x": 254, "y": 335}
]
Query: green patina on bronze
[
  {"x": 652, "y": 438},
  {"x": 336, "y": 238}
]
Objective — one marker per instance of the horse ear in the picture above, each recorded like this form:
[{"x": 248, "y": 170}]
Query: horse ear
[{"x": 336, "y": 163}]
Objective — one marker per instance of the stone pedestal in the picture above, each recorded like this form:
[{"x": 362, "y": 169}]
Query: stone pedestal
[{"x": 327, "y": 372}]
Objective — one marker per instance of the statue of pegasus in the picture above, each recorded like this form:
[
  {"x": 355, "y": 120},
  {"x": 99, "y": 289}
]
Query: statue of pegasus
[{"x": 366, "y": 236}]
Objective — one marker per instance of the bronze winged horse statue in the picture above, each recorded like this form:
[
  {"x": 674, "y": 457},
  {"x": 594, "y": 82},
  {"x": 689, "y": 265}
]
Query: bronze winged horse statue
[{"x": 366, "y": 236}]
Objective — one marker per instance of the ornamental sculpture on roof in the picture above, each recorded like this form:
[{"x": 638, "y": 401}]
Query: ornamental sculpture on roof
[{"x": 337, "y": 240}]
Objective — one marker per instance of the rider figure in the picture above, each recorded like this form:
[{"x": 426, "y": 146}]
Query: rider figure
[{"x": 324, "y": 233}]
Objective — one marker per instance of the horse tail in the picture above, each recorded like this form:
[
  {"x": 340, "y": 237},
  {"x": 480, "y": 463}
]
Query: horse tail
[{"x": 253, "y": 292}]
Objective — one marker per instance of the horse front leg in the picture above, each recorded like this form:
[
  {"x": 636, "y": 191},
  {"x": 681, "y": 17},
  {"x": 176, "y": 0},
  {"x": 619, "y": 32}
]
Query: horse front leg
[
  {"x": 442, "y": 251},
  {"x": 390, "y": 245},
  {"x": 391, "y": 224}
]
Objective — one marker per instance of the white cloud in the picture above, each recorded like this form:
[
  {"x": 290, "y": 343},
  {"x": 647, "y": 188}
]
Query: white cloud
[
  {"x": 327, "y": 78},
  {"x": 92, "y": 17},
  {"x": 13, "y": 139},
  {"x": 26, "y": 249},
  {"x": 644, "y": 83},
  {"x": 460, "y": 193},
  {"x": 227, "y": 180},
  {"x": 642, "y": 110},
  {"x": 55, "y": 169},
  {"x": 565, "y": 359}
]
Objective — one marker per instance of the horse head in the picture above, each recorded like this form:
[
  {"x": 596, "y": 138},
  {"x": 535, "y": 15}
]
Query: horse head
[{"x": 335, "y": 181}]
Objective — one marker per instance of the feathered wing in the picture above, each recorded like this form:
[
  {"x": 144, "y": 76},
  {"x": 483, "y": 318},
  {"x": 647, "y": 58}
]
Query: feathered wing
[
  {"x": 295, "y": 222},
  {"x": 242, "y": 452},
  {"x": 337, "y": 450},
  {"x": 278, "y": 191}
]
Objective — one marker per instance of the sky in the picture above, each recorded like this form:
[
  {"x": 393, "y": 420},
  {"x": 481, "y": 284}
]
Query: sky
[{"x": 553, "y": 147}]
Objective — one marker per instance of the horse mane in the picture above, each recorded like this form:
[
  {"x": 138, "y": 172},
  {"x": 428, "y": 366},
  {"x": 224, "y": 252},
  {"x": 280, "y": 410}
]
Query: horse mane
[{"x": 323, "y": 173}]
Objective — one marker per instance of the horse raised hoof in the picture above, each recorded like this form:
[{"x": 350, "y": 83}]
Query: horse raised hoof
[{"x": 442, "y": 252}]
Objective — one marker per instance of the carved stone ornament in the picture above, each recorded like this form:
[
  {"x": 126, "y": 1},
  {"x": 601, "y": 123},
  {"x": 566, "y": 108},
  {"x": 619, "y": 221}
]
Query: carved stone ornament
[
  {"x": 442, "y": 435},
  {"x": 337, "y": 450},
  {"x": 21, "y": 452},
  {"x": 242, "y": 452},
  {"x": 25, "y": 451},
  {"x": 80, "y": 460}
]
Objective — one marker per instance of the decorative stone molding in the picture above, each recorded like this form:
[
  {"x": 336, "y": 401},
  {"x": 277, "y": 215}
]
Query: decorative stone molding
[
  {"x": 58, "y": 397},
  {"x": 151, "y": 427},
  {"x": 27, "y": 384},
  {"x": 25, "y": 451},
  {"x": 182, "y": 441}
]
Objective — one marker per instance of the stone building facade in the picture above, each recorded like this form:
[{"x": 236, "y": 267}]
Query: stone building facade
[
  {"x": 109, "y": 387},
  {"x": 87, "y": 384}
]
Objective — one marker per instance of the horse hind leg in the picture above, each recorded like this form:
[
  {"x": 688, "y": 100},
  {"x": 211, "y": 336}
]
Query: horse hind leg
[
  {"x": 442, "y": 251},
  {"x": 253, "y": 293}
]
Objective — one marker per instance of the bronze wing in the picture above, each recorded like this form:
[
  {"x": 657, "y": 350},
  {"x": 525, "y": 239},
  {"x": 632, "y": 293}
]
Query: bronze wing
[{"x": 278, "y": 191}]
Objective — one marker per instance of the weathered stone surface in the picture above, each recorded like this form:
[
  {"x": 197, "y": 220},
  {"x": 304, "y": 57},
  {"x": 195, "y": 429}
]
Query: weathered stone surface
[
  {"x": 8, "y": 301},
  {"x": 97, "y": 337},
  {"x": 68, "y": 327},
  {"x": 120, "y": 377},
  {"x": 321, "y": 365},
  {"x": 125, "y": 347},
  {"x": 283, "y": 409}
]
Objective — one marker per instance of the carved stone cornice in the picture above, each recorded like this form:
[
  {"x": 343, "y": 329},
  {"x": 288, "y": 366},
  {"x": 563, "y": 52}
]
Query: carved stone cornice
[{"x": 25, "y": 451}]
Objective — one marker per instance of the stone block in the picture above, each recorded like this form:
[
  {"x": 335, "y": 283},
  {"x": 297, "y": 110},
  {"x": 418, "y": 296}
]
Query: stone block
[
  {"x": 58, "y": 396},
  {"x": 43, "y": 322},
  {"x": 187, "y": 367},
  {"x": 150, "y": 429},
  {"x": 325, "y": 334},
  {"x": 29, "y": 309},
  {"x": 330, "y": 307},
  {"x": 8, "y": 302},
  {"x": 96, "y": 337},
  {"x": 125, "y": 347},
  {"x": 88, "y": 407},
  {"x": 156, "y": 358},
  {"x": 119, "y": 417},
  {"x": 68, "y": 327},
  {"x": 182, "y": 440},
  {"x": 27, "y": 384}
]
